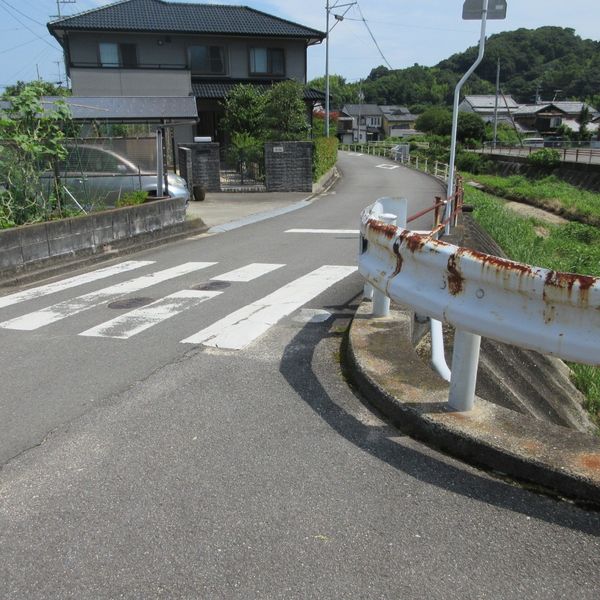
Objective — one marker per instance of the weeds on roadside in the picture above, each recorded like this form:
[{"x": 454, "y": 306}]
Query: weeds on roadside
[{"x": 572, "y": 247}]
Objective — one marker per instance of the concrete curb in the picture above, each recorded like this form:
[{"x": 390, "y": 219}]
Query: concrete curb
[
  {"x": 382, "y": 363},
  {"x": 326, "y": 181}
]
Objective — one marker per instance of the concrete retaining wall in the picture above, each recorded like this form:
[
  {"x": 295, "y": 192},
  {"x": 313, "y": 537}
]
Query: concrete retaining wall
[
  {"x": 579, "y": 174},
  {"x": 34, "y": 246},
  {"x": 288, "y": 166}
]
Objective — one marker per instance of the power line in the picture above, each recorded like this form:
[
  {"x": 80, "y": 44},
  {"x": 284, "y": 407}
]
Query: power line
[
  {"x": 385, "y": 60},
  {"x": 6, "y": 4},
  {"x": 22, "y": 13},
  {"x": 18, "y": 46}
]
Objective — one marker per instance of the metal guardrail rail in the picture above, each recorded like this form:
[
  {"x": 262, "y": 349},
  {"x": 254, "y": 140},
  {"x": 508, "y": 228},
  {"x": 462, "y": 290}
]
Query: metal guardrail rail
[
  {"x": 577, "y": 155},
  {"x": 436, "y": 168},
  {"x": 480, "y": 295}
]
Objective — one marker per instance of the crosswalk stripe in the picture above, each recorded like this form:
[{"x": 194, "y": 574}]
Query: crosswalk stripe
[
  {"x": 65, "y": 284},
  {"x": 248, "y": 273},
  {"x": 129, "y": 324},
  {"x": 71, "y": 307},
  {"x": 343, "y": 231},
  {"x": 243, "y": 326}
]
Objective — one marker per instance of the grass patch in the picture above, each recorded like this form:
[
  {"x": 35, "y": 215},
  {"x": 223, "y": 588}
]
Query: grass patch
[
  {"x": 572, "y": 247},
  {"x": 549, "y": 192}
]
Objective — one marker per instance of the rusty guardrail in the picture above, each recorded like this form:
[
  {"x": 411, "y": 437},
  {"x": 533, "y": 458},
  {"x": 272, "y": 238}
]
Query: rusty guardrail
[{"x": 481, "y": 295}]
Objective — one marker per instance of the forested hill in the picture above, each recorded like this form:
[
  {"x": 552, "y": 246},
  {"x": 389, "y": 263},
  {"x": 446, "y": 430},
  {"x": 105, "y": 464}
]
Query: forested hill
[{"x": 552, "y": 58}]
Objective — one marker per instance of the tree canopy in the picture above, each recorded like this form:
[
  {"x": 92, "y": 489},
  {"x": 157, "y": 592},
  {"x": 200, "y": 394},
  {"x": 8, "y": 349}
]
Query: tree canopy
[{"x": 553, "y": 60}]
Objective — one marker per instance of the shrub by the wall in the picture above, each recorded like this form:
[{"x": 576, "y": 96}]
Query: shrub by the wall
[
  {"x": 548, "y": 158},
  {"x": 324, "y": 156}
]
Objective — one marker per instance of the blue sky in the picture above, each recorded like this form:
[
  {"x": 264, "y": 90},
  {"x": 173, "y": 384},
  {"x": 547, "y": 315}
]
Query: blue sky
[{"x": 407, "y": 31}]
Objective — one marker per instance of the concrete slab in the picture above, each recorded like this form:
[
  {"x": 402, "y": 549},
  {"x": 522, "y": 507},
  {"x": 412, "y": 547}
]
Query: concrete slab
[
  {"x": 219, "y": 208},
  {"x": 382, "y": 362}
]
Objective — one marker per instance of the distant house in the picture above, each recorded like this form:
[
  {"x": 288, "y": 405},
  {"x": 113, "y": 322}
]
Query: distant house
[
  {"x": 546, "y": 117},
  {"x": 158, "y": 48},
  {"x": 397, "y": 121},
  {"x": 484, "y": 106},
  {"x": 367, "y": 122}
]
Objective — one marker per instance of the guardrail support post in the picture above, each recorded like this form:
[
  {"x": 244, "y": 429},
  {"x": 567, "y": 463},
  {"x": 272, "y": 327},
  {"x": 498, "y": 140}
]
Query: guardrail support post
[
  {"x": 381, "y": 303},
  {"x": 465, "y": 360}
]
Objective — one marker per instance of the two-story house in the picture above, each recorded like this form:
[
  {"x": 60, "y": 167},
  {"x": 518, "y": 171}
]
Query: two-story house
[
  {"x": 367, "y": 122},
  {"x": 159, "y": 48}
]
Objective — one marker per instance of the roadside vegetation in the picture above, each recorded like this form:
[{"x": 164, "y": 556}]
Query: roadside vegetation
[
  {"x": 572, "y": 247},
  {"x": 550, "y": 193},
  {"x": 253, "y": 117},
  {"x": 33, "y": 137}
]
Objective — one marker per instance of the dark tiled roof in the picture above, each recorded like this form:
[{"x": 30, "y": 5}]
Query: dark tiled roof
[
  {"x": 179, "y": 17},
  {"x": 219, "y": 88}
]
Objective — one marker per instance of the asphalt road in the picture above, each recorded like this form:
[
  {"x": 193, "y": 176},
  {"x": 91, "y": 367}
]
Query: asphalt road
[{"x": 139, "y": 466}]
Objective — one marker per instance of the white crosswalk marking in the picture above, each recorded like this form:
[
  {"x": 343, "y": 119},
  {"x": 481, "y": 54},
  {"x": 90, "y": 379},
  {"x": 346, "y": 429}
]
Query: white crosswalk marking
[
  {"x": 243, "y": 326},
  {"x": 71, "y": 307},
  {"x": 248, "y": 273},
  {"x": 125, "y": 326},
  {"x": 65, "y": 284}
]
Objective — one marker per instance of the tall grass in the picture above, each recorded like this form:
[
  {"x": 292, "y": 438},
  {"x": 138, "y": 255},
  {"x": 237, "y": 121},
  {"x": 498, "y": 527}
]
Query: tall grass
[
  {"x": 549, "y": 192},
  {"x": 572, "y": 247}
]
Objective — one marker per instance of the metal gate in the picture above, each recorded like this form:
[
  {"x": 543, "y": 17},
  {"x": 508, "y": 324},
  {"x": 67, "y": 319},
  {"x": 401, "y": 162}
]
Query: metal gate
[{"x": 242, "y": 170}]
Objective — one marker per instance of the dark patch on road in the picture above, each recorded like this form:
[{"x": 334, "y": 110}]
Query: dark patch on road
[
  {"x": 129, "y": 303},
  {"x": 211, "y": 286}
]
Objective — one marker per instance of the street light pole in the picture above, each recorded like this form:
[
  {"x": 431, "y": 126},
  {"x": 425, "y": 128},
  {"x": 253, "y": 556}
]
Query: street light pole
[
  {"x": 455, "y": 112},
  {"x": 472, "y": 9}
]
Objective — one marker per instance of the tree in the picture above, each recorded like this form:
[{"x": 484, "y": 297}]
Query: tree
[
  {"x": 34, "y": 138},
  {"x": 46, "y": 88},
  {"x": 436, "y": 120},
  {"x": 470, "y": 127},
  {"x": 244, "y": 111},
  {"x": 286, "y": 112}
]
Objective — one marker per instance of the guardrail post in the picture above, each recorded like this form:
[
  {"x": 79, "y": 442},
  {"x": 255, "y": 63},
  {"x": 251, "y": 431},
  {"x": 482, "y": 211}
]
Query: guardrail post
[
  {"x": 381, "y": 303},
  {"x": 425, "y": 169},
  {"x": 435, "y": 169},
  {"x": 465, "y": 360},
  {"x": 417, "y": 163}
]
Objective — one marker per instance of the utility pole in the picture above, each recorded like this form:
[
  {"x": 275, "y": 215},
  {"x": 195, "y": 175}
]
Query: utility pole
[
  {"x": 496, "y": 104},
  {"x": 327, "y": 70},
  {"x": 37, "y": 70},
  {"x": 58, "y": 3},
  {"x": 338, "y": 18},
  {"x": 59, "y": 80}
]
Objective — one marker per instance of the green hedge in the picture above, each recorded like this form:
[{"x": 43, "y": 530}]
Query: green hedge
[{"x": 324, "y": 156}]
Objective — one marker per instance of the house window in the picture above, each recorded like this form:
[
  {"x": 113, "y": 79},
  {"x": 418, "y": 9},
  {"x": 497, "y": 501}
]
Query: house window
[
  {"x": 267, "y": 61},
  {"x": 207, "y": 60},
  {"x": 555, "y": 122},
  {"x": 113, "y": 55}
]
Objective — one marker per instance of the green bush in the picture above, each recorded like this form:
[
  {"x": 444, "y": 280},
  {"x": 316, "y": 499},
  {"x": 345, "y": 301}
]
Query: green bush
[
  {"x": 132, "y": 198},
  {"x": 547, "y": 157},
  {"x": 324, "y": 155},
  {"x": 471, "y": 162}
]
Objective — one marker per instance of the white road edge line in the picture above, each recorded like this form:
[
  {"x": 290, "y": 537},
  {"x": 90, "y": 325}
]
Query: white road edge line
[
  {"x": 129, "y": 324},
  {"x": 240, "y": 328},
  {"x": 73, "y": 306},
  {"x": 71, "y": 282},
  {"x": 248, "y": 273}
]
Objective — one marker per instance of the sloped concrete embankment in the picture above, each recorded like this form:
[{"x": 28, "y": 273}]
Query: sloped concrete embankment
[{"x": 381, "y": 360}]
